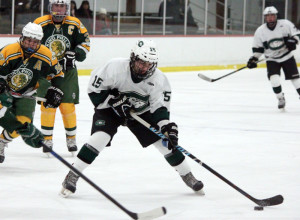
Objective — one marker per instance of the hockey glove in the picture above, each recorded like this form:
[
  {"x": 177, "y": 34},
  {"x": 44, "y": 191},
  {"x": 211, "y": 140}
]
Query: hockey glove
[
  {"x": 291, "y": 43},
  {"x": 54, "y": 96},
  {"x": 69, "y": 60},
  {"x": 252, "y": 62},
  {"x": 31, "y": 135},
  {"x": 3, "y": 86},
  {"x": 121, "y": 106},
  {"x": 171, "y": 131}
]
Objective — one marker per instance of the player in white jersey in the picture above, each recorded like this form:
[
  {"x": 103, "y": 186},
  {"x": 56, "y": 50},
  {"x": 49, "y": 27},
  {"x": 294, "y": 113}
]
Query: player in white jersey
[
  {"x": 276, "y": 39},
  {"x": 131, "y": 84}
]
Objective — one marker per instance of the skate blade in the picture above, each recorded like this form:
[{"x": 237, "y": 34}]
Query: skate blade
[
  {"x": 281, "y": 109},
  {"x": 65, "y": 193},
  {"x": 48, "y": 155},
  {"x": 200, "y": 192}
]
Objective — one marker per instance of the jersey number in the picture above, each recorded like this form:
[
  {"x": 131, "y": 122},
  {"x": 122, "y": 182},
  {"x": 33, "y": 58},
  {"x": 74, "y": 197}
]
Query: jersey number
[
  {"x": 167, "y": 96},
  {"x": 97, "y": 82}
]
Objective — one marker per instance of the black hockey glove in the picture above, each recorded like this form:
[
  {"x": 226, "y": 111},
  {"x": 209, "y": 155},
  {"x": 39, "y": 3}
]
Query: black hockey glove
[
  {"x": 3, "y": 86},
  {"x": 291, "y": 43},
  {"x": 31, "y": 135},
  {"x": 171, "y": 131},
  {"x": 121, "y": 106},
  {"x": 69, "y": 60},
  {"x": 252, "y": 62},
  {"x": 54, "y": 96}
]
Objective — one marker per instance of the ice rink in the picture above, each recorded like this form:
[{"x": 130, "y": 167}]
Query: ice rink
[{"x": 233, "y": 125}]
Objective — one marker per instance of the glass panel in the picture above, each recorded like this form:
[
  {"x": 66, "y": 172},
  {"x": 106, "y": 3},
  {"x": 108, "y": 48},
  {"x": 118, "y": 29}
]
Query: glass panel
[
  {"x": 215, "y": 17},
  {"x": 106, "y": 14},
  {"x": 5, "y": 17},
  {"x": 196, "y": 17},
  {"x": 254, "y": 15},
  {"x": 85, "y": 14},
  {"x": 130, "y": 20},
  {"x": 174, "y": 16},
  {"x": 25, "y": 11},
  {"x": 279, "y": 5},
  {"x": 153, "y": 22},
  {"x": 294, "y": 12},
  {"x": 235, "y": 17}
]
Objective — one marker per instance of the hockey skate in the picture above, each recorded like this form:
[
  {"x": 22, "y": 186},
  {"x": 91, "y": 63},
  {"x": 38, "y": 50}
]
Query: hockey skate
[
  {"x": 3, "y": 144},
  {"x": 69, "y": 184},
  {"x": 71, "y": 144},
  {"x": 49, "y": 143},
  {"x": 281, "y": 102},
  {"x": 193, "y": 183}
]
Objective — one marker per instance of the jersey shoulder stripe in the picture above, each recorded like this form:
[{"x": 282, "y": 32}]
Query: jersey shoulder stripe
[
  {"x": 75, "y": 21},
  {"x": 44, "y": 20},
  {"x": 11, "y": 52},
  {"x": 45, "y": 54}
]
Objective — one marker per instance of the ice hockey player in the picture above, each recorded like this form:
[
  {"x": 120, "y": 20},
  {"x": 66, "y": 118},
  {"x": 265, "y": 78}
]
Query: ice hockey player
[
  {"x": 276, "y": 39},
  {"x": 21, "y": 65},
  {"x": 122, "y": 85},
  {"x": 68, "y": 40}
]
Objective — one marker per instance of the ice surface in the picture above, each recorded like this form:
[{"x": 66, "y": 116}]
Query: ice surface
[{"x": 233, "y": 125}]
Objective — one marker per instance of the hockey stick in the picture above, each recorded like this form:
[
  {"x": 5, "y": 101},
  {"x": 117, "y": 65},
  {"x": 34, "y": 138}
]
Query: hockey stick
[
  {"x": 275, "y": 200},
  {"x": 155, "y": 213},
  {"x": 228, "y": 74}
]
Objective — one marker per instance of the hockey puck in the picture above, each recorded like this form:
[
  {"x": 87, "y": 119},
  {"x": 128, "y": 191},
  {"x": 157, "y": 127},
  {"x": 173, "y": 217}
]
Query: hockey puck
[{"x": 258, "y": 208}]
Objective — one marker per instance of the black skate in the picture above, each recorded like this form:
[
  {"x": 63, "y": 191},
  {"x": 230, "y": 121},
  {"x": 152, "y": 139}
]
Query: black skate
[
  {"x": 281, "y": 102},
  {"x": 193, "y": 183},
  {"x": 69, "y": 184},
  {"x": 71, "y": 144},
  {"x": 49, "y": 143},
  {"x": 3, "y": 145}
]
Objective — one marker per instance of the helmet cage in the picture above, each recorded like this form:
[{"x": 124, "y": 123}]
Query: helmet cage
[
  {"x": 142, "y": 76},
  {"x": 54, "y": 14},
  {"x": 32, "y": 31},
  {"x": 270, "y": 11}
]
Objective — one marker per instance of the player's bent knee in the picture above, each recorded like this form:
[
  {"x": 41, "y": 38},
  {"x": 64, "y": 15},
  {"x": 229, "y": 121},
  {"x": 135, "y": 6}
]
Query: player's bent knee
[{"x": 99, "y": 140}]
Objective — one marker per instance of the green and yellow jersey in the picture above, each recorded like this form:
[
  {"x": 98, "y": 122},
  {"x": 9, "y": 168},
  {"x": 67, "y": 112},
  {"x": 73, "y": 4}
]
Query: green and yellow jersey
[
  {"x": 69, "y": 35},
  {"x": 22, "y": 75}
]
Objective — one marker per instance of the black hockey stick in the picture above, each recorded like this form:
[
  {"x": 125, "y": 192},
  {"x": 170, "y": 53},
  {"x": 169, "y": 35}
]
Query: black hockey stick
[
  {"x": 221, "y": 77},
  {"x": 275, "y": 200},
  {"x": 155, "y": 213}
]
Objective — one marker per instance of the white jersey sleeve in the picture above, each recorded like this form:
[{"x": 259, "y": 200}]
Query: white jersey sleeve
[
  {"x": 271, "y": 43},
  {"x": 148, "y": 95}
]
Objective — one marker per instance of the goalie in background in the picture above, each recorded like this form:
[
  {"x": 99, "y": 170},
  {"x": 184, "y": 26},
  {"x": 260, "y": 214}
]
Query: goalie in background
[
  {"x": 122, "y": 85},
  {"x": 276, "y": 39}
]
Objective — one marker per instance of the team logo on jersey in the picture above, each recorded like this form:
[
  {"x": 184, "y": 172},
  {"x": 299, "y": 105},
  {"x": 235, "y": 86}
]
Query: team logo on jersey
[
  {"x": 100, "y": 123},
  {"x": 58, "y": 44},
  {"x": 276, "y": 44},
  {"x": 19, "y": 78},
  {"x": 140, "y": 102}
]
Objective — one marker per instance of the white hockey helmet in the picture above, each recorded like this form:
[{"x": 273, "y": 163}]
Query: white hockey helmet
[
  {"x": 271, "y": 22},
  {"x": 33, "y": 31},
  {"x": 57, "y": 15},
  {"x": 144, "y": 50},
  {"x": 270, "y": 10}
]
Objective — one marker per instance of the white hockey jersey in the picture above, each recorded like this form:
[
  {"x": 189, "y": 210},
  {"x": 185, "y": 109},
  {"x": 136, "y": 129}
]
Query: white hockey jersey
[
  {"x": 149, "y": 94},
  {"x": 271, "y": 42}
]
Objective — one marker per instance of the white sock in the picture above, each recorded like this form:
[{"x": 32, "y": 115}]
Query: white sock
[{"x": 182, "y": 168}]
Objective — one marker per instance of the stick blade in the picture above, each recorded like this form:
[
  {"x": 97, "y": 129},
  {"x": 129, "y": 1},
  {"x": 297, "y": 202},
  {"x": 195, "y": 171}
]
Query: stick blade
[
  {"x": 204, "y": 77},
  {"x": 152, "y": 214},
  {"x": 276, "y": 200}
]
